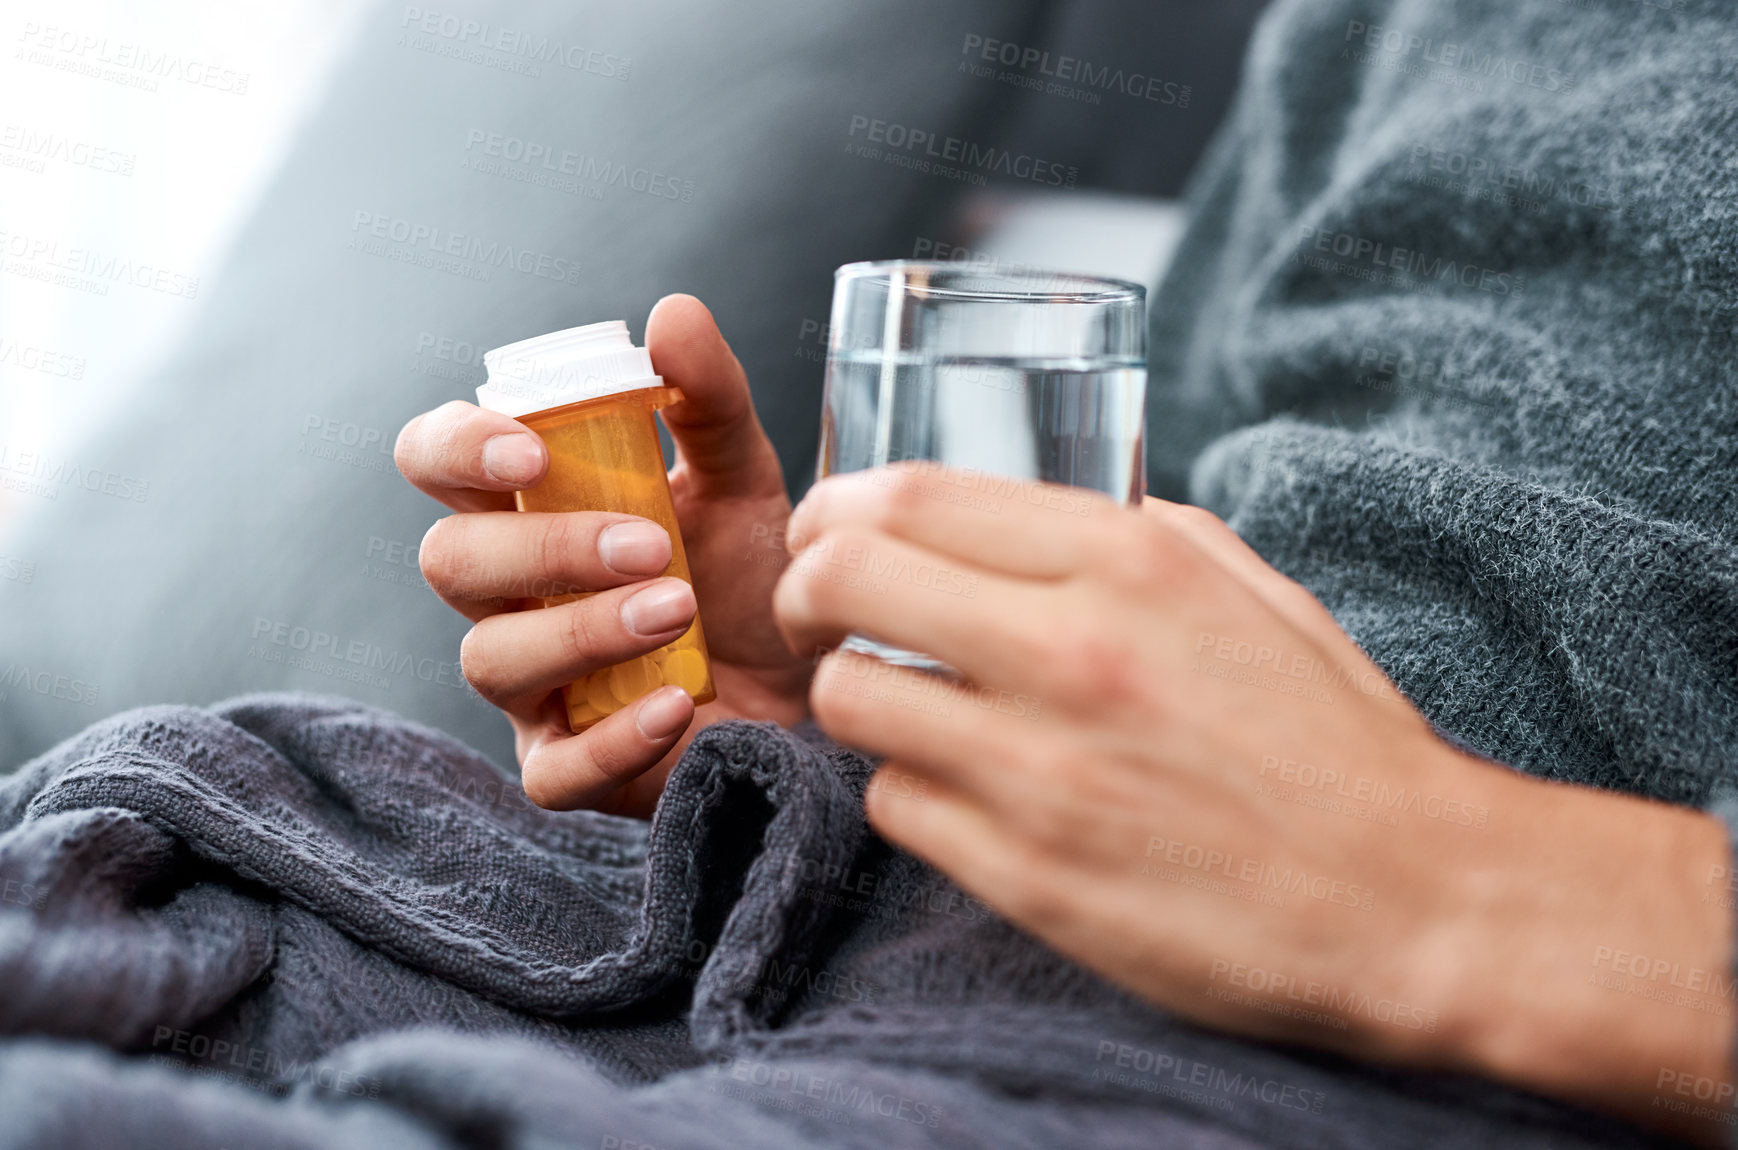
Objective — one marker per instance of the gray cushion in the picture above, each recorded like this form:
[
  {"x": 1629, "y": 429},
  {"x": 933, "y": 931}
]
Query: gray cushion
[{"x": 276, "y": 545}]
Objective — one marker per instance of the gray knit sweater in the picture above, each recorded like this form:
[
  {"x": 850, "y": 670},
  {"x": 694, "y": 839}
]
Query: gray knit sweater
[{"x": 1464, "y": 300}]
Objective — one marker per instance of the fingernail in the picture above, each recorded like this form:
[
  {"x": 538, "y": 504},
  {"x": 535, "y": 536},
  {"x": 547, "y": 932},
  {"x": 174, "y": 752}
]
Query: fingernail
[
  {"x": 514, "y": 458},
  {"x": 662, "y": 713},
  {"x": 638, "y": 548},
  {"x": 659, "y": 608}
]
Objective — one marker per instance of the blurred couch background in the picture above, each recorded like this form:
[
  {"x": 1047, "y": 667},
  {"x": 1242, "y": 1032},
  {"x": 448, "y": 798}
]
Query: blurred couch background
[{"x": 447, "y": 180}]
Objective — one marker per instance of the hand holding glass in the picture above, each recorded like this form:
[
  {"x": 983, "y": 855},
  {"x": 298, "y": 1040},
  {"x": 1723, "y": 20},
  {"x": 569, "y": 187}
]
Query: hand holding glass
[{"x": 1026, "y": 374}]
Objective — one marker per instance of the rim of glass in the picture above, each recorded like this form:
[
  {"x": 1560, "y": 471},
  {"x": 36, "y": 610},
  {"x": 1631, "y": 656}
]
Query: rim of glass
[{"x": 1090, "y": 289}]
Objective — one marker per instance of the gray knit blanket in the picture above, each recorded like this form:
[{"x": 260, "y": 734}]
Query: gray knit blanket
[{"x": 299, "y": 922}]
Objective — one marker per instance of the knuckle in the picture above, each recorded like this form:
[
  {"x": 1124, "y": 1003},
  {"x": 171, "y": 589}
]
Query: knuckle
[
  {"x": 539, "y": 777},
  {"x": 404, "y": 447},
  {"x": 900, "y": 813},
  {"x": 475, "y": 664},
  {"x": 1107, "y": 673},
  {"x": 890, "y": 504},
  {"x": 1053, "y": 774},
  {"x": 449, "y": 450},
  {"x": 1097, "y": 664},
  {"x": 452, "y": 416},
  {"x": 583, "y": 633},
  {"x": 836, "y": 705},
  {"x": 616, "y": 759},
  {"x": 561, "y": 543},
  {"x": 790, "y": 602},
  {"x": 1037, "y": 643},
  {"x": 878, "y": 499},
  {"x": 1045, "y": 769},
  {"x": 1192, "y": 518},
  {"x": 1029, "y": 894},
  {"x": 1049, "y": 825},
  {"x": 1144, "y": 553},
  {"x": 1093, "y": 506},
  {"x": 436, "y": 554},
  {"x": 805, "y": 591},
  {"x": 851, "y": 549},
  {"x": 889, "y": 817}
]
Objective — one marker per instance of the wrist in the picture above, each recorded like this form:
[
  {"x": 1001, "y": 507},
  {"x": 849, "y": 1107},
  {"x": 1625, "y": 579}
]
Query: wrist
[
  {"x": 1447, "y": 952},
  {"x": 1579, "y": 950}
]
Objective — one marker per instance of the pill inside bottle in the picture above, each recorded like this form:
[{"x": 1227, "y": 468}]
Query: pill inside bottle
[{"x": 590, "y": 395}]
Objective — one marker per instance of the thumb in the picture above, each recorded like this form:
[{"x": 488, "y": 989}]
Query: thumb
[{"x": 718, "y": 436}]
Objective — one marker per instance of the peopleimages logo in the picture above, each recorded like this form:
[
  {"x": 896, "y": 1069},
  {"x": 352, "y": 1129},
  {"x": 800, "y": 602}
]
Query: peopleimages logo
[
  {"x": 15, "y": 570},
  {"x": 1454, "y": 57},
  {"x": 38, "y": 147},
  {"x": 38, "y": 473},
  {"x": 355, "y": 660},
  {"x": 437, "y": 247},
  {"x": 460, "y": 38},
  {"x": 1289, "y": 879},
  {"x": 340, "y": 441},
  {"x": 1336, "y": 1001},
  {"x": 793, "y": 978},
  {"x": 1229, "y": 649},
  {"x": 852, "y": 1098},
  {"x": 17, "y": 676},
  {"x": 1694, "y": 979},
  {"x": 1446, "y": 169},
  {"x": 549, "y": 160},
  {"x": 1055, "y": 74},
  {"x": 950, "y": 155},
  {"x": 265, "y": 1066},
  {"x": 1406, "y": 268},
  {"x": 137, "y": 65},
  {"x": 1378, "y": 792},
  {"x": 87, "y": 269},
  {"x": 1700, "y": 1087},
  {"x": 33, "y": 358},
  {"x": 1171, "y": 1075}
]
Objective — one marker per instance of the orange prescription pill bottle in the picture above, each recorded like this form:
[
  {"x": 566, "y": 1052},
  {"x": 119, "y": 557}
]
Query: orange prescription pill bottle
[{"x": 589, "y": 393}]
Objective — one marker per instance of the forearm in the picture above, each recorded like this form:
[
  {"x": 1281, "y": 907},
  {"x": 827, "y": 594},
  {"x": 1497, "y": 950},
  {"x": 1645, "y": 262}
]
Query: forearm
[{"x": 1595, "y": 963}]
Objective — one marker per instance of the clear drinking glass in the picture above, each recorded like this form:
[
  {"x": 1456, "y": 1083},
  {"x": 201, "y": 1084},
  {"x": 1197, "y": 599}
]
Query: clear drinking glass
[{"x": 996, "y": 370}]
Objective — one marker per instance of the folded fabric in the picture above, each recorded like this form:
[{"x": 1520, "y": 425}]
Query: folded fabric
[{"x": 301, "y": 922}]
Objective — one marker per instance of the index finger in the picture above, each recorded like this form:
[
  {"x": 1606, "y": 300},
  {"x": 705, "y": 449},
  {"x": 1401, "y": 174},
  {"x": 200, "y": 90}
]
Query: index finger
[
  {"x": 984, "y": 519},
  {"x": 469, "y": 458}
]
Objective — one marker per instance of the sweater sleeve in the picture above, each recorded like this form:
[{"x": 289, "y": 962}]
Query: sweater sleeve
[{"x": 1450, "y": 343}]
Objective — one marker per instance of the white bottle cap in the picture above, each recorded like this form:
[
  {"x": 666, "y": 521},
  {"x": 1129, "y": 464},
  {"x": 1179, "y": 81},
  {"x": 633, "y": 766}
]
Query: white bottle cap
[{"x": 565, "y": 367}]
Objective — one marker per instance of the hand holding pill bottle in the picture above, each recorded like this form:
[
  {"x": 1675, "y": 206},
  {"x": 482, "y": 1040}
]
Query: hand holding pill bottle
[{"x": 589, "y": 394}]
